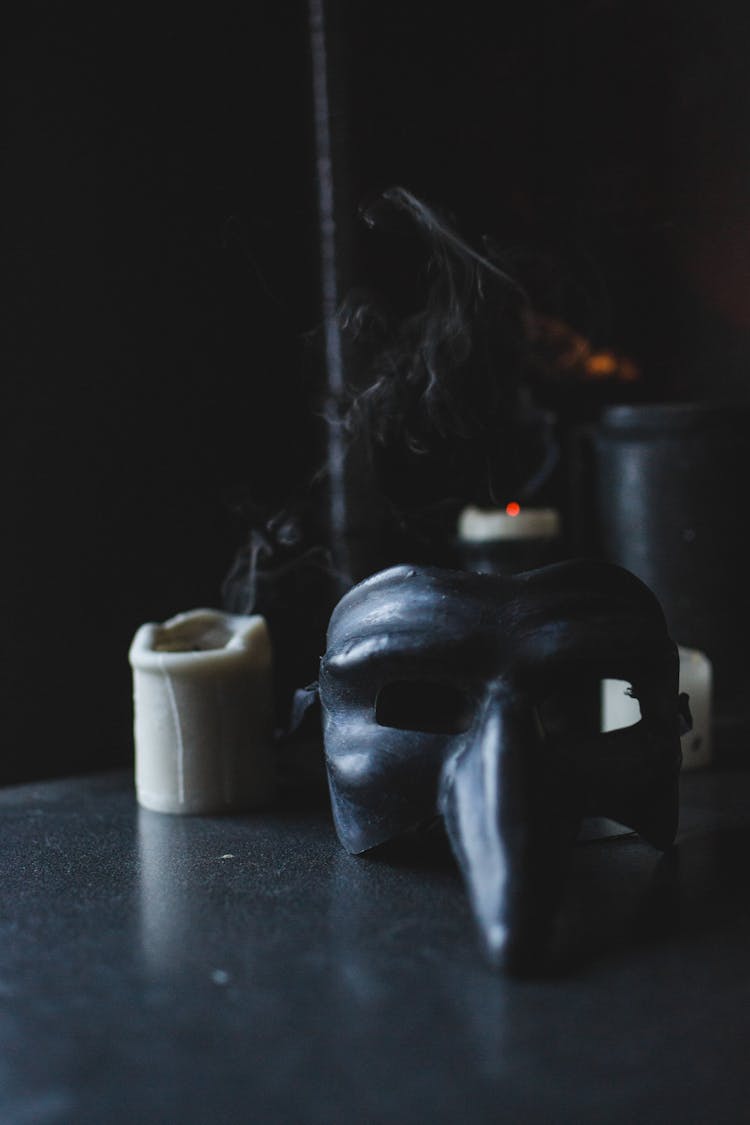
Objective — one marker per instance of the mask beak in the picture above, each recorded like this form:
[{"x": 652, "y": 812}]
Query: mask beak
[{"x": 510, "y": 824}]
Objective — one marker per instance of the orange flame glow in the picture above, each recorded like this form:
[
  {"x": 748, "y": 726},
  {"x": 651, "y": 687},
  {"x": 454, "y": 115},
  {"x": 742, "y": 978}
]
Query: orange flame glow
[
  {"x": 512, "y": 509},
  {"x": 565, "y": 352},
  {"x": 601, "y": 365}
]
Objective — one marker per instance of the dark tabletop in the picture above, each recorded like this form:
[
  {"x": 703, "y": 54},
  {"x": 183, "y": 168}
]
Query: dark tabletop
[{"x": 188, "y": 970}]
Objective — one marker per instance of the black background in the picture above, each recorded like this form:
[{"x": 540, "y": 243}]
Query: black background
[{"x": 161, "y": 276}]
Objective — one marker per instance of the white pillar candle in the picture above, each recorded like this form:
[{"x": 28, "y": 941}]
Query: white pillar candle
[
  {"x": 696, "y": 678},
  {"x": 203, "y": 701},
  {"x": 487, "y": 525},
  {"x": 621, "y": 710}
]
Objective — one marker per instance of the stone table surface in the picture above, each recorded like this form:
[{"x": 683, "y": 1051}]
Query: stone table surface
[{"x": 245, "y": 969}]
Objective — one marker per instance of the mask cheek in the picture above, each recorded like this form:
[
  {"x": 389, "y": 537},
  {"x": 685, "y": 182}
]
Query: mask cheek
[{"x": 383, "y": 781}]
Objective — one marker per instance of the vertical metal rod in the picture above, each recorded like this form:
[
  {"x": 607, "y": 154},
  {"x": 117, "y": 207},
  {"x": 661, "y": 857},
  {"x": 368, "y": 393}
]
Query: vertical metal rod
[{"x": 336, "y": 451}]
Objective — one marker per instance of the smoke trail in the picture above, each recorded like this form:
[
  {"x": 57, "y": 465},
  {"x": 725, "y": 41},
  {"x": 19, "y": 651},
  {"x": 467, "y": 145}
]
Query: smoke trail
[{"x": 440, "y": 395}]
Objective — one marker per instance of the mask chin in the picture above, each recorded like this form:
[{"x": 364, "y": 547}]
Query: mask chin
[{"x": 360, "y": 831}]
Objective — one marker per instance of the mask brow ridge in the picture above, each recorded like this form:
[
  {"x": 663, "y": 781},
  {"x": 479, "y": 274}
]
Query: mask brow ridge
[{"x": 362, "y": 651}]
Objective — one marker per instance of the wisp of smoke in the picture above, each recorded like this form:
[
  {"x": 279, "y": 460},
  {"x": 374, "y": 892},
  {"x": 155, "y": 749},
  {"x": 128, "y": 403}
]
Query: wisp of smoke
[
  {"x": 284, "y": 572},
  {"x": 439, "y": 395}
]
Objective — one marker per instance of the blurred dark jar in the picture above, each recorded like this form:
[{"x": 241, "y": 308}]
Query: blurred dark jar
[{"x": 670, "y": 488}]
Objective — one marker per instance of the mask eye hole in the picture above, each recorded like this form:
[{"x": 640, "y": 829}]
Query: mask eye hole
[
  {"x": 588, "y": 707},
  {"x": 619, "y": 705},
  {"x": 424, "y": 705}
]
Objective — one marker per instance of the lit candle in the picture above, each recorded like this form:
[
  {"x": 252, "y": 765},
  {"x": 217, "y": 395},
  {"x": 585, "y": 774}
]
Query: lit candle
[
  {"x": 494, "y": 541},
  {"x": 482, "y": 525},
  {"x": 621, "y": 710},
  {"x": 203, "y": 701}
]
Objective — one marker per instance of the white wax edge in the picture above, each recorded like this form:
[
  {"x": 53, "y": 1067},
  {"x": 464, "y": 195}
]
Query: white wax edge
[
  {"x": 199, "y": 806},
  {"x": 484, "y": 525},
  {"x": 249, "y": 636},
  {"x": 691, "y": 654}
]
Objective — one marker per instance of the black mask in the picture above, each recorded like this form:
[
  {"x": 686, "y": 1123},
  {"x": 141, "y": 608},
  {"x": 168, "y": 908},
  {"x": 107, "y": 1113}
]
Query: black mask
[{"x": 460, "y": 694}]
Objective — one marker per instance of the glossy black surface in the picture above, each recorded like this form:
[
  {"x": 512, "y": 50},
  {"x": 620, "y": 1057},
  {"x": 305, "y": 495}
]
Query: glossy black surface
[{"x": 147, "y": 976}]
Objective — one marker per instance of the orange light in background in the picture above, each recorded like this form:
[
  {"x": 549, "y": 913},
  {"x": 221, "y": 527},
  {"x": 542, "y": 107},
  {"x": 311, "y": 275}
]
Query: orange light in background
[
  {"x": 512, "y": 509},
  {"x": 601, "y": 365},
  {"x": 563, "y": 352}
]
